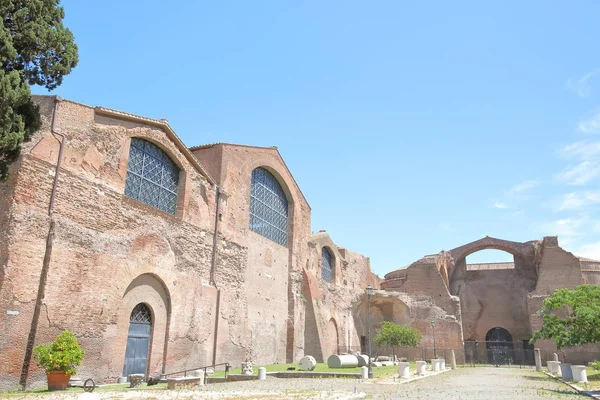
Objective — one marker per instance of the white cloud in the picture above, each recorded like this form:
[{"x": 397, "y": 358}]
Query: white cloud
[
  {"x": 564, "y": 227},
  {"x": 581, "y": 86},
  {"x": 583, "y": 151},
  {"x": 591, "y": 125},
  {"x": 589, "y": 250},
  {"x": 500, "y": 205},
  {"x": 577, "y": 200},
  {"x": 523, "y": 187},
  {"x": 588, "y": 168},
  {"x": 579, "y": 174}
]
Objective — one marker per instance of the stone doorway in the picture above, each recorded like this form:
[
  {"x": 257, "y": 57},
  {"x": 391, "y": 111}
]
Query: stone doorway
[
  {"x": 138, "y": 340},
  {"x": 499, "y": 345}
]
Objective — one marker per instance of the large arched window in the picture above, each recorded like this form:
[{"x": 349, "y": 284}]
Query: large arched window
[
  {"x": 268, "y": 207},
  {"x": 152, "y": 177},
  {"x": 326, "y": 265}
]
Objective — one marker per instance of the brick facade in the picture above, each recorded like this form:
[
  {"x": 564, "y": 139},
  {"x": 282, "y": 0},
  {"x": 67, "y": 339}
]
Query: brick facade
[{"x": 232, "y": 297}]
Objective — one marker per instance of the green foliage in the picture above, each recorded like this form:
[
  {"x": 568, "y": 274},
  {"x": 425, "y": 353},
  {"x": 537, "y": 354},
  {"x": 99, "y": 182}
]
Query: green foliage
[
  {"x": 571, "y": 317},
  {"x": 395, "y": 335},
  {"x": 64, "y": 354},
  {"x": 595, "y": 365},
  {"x": 35, "y": 49}
]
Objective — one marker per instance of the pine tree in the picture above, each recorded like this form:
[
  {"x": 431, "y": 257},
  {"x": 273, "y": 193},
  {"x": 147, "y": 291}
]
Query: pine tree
[{"x": 35, "y": 49}]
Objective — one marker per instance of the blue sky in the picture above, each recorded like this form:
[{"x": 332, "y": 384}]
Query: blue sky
[{"x": 411, "y": 127}]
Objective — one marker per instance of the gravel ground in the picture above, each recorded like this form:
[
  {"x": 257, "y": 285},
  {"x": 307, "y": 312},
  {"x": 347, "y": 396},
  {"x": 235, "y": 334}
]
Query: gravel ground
[{"x": 463, "y": 384}]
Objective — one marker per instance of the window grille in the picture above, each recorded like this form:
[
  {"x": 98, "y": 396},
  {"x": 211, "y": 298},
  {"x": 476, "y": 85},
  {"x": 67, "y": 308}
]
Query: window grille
[
  {"x": 141, "y": 314},
  {"x": 268, "y": 207},
  {"x": 152, "y": 177},
  {"x": 326, "y": 265}
]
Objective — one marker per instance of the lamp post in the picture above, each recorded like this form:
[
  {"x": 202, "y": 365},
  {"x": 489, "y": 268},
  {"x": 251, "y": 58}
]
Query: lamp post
[
  {"x": 434, "y": 349},
  {"x": 369, "y": 292}
]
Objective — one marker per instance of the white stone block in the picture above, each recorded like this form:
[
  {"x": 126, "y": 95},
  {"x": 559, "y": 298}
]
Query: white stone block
[
  {"x": 404, "y": 370},
  {"x": 421, "y": 367},
  {"x": 262, "y": 373},
  {"x": 566, "y": 372},
  {"x": 364, "y": 372},
  {"x": 307, "y": 363},
  {"x": 579, "y": 373}
]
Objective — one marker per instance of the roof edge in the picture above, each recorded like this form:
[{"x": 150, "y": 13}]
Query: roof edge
[{"x": 164, "y": 125}]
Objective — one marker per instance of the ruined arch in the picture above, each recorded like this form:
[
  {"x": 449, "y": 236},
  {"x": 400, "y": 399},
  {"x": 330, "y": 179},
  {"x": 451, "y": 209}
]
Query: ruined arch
[
  {"x": 494, "y": 294},
  {"x": 333, "y": 339}
]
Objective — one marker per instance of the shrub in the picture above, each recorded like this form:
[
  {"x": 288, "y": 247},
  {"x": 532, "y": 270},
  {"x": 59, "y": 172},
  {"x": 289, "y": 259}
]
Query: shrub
[
  {"x": 595, "y": 365},
  {"x": 64, "y": 354}
]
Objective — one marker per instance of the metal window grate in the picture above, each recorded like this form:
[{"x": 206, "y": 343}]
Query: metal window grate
[
  {"x": 152, "y": 177},
  {"x": 326, "y": 265},
  {"x": 268, "y": 207},
  {"x": 142, "y": 314}
]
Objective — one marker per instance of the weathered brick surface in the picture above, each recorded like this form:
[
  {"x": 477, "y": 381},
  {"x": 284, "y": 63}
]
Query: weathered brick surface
[{"x": 263, "y": 302}]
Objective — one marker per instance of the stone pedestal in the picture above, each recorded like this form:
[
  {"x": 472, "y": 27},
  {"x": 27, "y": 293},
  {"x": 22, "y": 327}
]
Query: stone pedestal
[
  {"x": 307, "y": 363},
  {"x": 579, "y": 373},
  {"x": 199, "y": 373},
  {"x": 442, "y": 365},
  {"x": 135, "y": 380},
  {"x": 452, "y": 359},
  {"x": 435, "y": 364},
  {"x": 364, "y": 372},
  {"x": 421, "y": 367},
  {"x": 566, "y": 372},
  {"x": 404, "y": 370},
  {"x": 538, "y": 359},
  {"x": 185, "y": 382},
  {"x": 554, "y": 367},
  {"x": 247, "y": 368},
  {"x": 262, "y": 373}
]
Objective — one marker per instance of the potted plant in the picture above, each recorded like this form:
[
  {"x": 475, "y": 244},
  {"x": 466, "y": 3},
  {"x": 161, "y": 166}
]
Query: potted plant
[{"x": 59, "y": 359}]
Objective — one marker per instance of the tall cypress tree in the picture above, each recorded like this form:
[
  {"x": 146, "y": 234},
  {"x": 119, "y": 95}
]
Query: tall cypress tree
[{"x": 35, "y": 49}]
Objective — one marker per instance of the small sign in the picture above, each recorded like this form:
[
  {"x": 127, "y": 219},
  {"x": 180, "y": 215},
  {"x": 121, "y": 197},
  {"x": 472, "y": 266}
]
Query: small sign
[{"x": 8, "y": 312}]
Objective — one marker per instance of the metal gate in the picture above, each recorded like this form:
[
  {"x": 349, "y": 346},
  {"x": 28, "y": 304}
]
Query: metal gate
[{"x": 138, "y": 341}]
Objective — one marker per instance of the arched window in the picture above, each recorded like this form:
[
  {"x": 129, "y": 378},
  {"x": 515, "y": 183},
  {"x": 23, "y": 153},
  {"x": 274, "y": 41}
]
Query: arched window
[
  {"x": 268, "y": 207},
  {"x": 152, "y": 177},
  {"x": 326, "y": 265}
]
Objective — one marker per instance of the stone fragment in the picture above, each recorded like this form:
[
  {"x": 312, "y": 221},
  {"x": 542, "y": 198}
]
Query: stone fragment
[
  {"x": 342, "y": 361},
  {"x": 421, "y": 367},
  {"x": 307, "y": 363},
  {"x": 262, "y": 373},
  {"x": 404, "y": 370},
  {"x": 247, "y": 368},
  {"x": 135, "y": 380}
]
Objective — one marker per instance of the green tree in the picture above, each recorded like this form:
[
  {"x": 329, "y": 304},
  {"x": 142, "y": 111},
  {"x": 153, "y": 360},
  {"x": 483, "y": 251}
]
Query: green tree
[
  {"x": 571, "y": 317},
  {"x": 395, "y": 335},
  {"x": 35, "y": 49}
]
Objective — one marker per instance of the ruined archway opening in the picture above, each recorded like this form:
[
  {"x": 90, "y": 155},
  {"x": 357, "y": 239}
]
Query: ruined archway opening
[
  {"x": 499, "y": 346},
  {"x": 489, "y": 259}
]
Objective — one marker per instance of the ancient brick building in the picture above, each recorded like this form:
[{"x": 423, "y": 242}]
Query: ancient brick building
[
  {"x": 497, "y": 301},
  {"x": 133, "y": 265},
  {"x": 162, "y": 258}
]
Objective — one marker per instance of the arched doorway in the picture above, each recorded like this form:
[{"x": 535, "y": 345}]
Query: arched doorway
[
  {"x": 333, "y": 338},
  {"x": 499, "y": 345},
  {"x": 138, "y": 340}
]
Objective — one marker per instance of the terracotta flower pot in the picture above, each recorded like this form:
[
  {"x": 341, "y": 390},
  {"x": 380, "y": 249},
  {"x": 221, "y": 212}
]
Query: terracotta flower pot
[{"x": 57, "y": 380}]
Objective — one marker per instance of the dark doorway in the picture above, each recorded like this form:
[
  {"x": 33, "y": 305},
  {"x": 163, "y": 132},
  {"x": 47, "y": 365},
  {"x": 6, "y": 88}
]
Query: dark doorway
[
  {"x": 138, "y": 341},
  {"x": 499, "y": 346}
]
